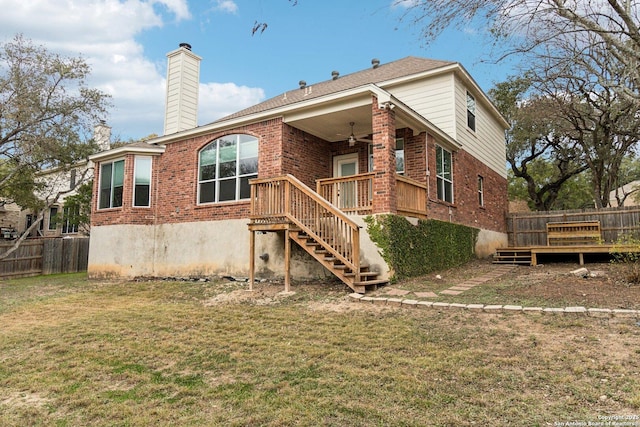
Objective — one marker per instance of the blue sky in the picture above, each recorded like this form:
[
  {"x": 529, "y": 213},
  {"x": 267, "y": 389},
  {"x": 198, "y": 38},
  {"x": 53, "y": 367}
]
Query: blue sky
[{"x": 126, "y": 42}]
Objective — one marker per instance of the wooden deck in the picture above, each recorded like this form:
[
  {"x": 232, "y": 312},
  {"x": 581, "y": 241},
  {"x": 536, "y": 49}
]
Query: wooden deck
[{"x": 528, "y": 255}]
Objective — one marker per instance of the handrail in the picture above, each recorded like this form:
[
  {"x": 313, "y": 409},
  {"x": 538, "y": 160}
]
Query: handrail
[
  {"x": 352, "y": 194},
  {"x": 287, "y": 197}
]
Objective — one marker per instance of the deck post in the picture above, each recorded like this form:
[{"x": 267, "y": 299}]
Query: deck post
[
  {"x": 287, "y": 261},
  {"x": 252, "y": 258}
]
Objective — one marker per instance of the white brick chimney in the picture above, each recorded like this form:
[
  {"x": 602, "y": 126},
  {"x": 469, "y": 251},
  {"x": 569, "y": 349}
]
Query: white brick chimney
[
  {"x": 102, "y": 135},
  {"x": 183, "y": 79}
]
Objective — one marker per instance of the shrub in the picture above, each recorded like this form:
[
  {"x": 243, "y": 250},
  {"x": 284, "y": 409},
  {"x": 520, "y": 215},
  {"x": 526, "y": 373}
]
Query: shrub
[
  {"x": 414, "y": 250},
  {"x": 626, "y": 252}
]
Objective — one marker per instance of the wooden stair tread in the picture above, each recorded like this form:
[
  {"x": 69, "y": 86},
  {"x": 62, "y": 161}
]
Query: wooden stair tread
[{"x": 372, "y": 282}]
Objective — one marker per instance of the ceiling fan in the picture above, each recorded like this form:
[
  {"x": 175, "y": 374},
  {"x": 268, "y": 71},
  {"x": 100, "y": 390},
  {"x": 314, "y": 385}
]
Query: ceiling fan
[{"x": 353, "y": 139}]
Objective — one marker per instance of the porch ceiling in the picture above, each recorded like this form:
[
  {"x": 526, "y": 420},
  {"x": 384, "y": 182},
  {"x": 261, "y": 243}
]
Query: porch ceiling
[{"x": 333, "y": 124}]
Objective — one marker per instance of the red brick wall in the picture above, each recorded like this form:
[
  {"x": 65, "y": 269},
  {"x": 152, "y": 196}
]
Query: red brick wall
[
  {"x": 466, "y": 208},
  {"x": 175, "y": 175},
  {"x": 415, "y": 156},
  {"x": 384, "y": 159},
  {"x": 305, "y": 156}
]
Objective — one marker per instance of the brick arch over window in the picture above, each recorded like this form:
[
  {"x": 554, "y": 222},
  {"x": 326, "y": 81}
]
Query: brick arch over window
[{"x": 225, "y": 166}]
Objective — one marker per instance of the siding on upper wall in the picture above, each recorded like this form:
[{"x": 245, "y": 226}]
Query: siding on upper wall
[
  {"x": 487, "y": 143},
  {"x": 433, "y": 99},
  {"x": 183, "y": 76}
]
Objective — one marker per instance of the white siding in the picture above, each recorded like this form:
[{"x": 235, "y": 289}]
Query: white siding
[
  {"x": 433, "y": 99},
  {"x": 487, "y": 143},
  {"x": 183, "y": 79}
]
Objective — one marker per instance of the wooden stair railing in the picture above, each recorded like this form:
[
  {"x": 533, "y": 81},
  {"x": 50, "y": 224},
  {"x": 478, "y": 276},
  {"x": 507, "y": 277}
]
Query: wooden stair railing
[{"x": 321, "y": 229}]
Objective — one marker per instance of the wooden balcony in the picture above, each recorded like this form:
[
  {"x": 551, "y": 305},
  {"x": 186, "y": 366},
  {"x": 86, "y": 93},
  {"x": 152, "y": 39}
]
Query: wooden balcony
[
  {"x": 351, "y": 194},
  {"x": 354, "y": 194}
]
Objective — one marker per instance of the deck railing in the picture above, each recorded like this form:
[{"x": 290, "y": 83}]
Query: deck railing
[
  {"x": 286, "y": 199},
  {"x": 411, "y": 196},
  {"x": 351, "y": 194},
  {"x": 354, "y": 195}
]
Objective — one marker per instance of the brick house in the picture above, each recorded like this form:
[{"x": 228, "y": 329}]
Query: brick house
[{"x": 414, "y": 137}]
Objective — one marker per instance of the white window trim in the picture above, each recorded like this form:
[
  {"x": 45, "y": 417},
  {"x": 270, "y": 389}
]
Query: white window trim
[
  {"x": 112, "y": 162},
  {"x": 474, "y": 113},
  {"x": 217, "y": 180},
  {"x": 438, "y": 177},
  {"x": 481, "y": 191},
  {"x": 135, "y": 165}
]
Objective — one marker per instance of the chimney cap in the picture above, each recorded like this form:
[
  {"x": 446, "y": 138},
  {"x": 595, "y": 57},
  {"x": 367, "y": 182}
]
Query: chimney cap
[
  {"x": 375, "y": 62},
  {"x": 185, "y": 45}
]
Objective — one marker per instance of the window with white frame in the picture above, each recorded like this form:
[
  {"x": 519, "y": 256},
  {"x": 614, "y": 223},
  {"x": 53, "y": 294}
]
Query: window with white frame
[
  {"x": 53, "y": 218},
  {"x": 111, "y": 184},
  {"x": 399, "y": 156},
  {"x": 480, "y": 190},
  {"x": 471, "y": 112},
  {"x": 225, "y": 167},
  {"x": 142, "y": 182},
  {"x": 444, "y": 175},
  {"x": 69, "y": 219}
]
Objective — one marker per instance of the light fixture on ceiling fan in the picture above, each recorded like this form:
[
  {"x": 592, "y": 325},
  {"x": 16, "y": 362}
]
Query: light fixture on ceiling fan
[{"x": 353, "y": 139}]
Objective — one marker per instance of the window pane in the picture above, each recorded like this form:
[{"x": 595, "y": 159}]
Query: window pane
[
  {"x": 208, "y": 155},
  {"x": 446, "y": 167},
  {"x": 438, "y": 161},
  {"x": 248, "y": 166},
  {"x": 207, "y": 172},
  {"x": 208, "y": 192},
  {"x": 245, "y": 188},
  {"x": 227, "y": 150},
  {"x": 53, "y": 220},
  {"x": 105, "y": 198},
  {"x": 118, "y": 173},
  {"x": 117, "y": 197},
  {"x": 448, "y": 192},
  {"x": 142, "y": 193},
  {"x": 248, "y": 147},
  {"x": 105, "y": 176},
  {"x": 227, "y": 169},
  {"x": 143, "y": 170},
  {"x": 227, "y": 190}
]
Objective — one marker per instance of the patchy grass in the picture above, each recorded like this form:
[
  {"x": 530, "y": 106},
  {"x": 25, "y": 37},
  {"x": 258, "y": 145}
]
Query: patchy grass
[{"x": 74, "y": 352}]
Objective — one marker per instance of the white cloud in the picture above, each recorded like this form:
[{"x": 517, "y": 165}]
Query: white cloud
[
  {"x": 103, "y": 32},
  {"x": 405, "y": 4},
  {"x": 221, "y": 99},
  {"x": 228, "y": 6}
]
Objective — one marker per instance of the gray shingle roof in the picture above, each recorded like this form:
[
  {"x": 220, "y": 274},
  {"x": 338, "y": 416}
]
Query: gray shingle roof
[{"x": 392, "y": 70}]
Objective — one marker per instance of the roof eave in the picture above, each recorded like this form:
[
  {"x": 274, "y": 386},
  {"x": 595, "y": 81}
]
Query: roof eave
[{"x": 125, "y": 149}]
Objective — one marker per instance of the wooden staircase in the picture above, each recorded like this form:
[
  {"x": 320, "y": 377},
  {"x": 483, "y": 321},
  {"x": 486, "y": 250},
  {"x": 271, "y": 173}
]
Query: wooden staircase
[
  {"x": 317, "y": 226},
  {"x": 512, "y": 256},
  {"x": 362, "y": 282}
]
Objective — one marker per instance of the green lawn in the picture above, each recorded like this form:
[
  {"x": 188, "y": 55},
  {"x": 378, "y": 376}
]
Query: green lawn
[{"x": 80, "y": 353}]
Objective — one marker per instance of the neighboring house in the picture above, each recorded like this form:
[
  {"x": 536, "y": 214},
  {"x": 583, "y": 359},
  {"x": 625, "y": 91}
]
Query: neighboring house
[
  {"x": 414, "y": 137},
  {"x": 629, "y": 193},
  {"x": 55, "y": 222}
]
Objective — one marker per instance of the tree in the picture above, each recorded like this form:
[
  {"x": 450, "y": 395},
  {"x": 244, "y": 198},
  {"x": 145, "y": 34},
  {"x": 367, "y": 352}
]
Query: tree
[
  {"x": 79, "y": 207},
  {"x": 545, "y": 29},
  {"x": 47, "y": 113},
  {"x": 540, "y": 152}
]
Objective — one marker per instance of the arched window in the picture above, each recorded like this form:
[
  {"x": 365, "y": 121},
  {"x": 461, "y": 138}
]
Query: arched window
[{"x": 225, "y": 167}]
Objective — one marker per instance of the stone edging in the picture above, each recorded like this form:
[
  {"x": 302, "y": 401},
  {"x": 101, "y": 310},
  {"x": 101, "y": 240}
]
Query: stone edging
[{"x": 591, "y": 312}]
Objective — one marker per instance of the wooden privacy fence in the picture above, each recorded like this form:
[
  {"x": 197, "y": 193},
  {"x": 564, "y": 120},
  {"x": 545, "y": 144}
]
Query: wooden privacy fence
[
  {"x": 530, "y": 228},
  {"x": 45, "y": 256}
]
